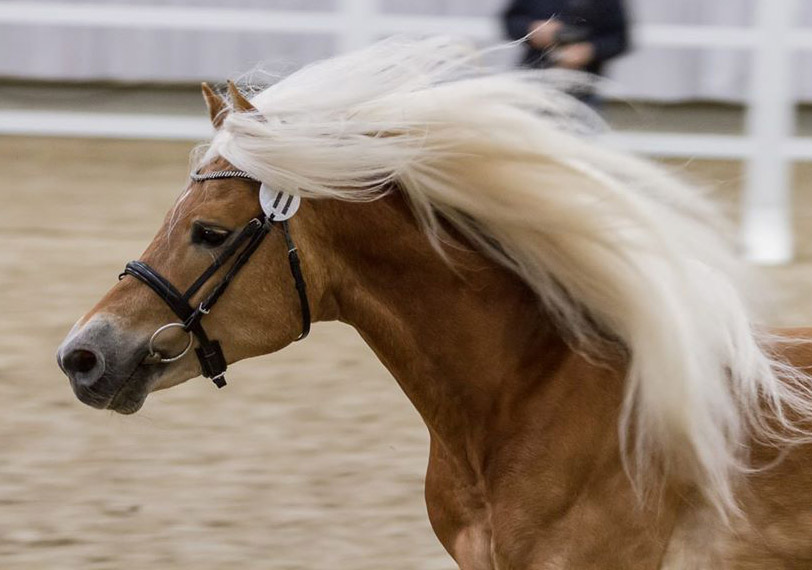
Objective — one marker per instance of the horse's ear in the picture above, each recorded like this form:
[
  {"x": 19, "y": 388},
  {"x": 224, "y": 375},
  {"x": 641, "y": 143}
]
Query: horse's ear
[
  {"x": 217, "y": 106},
  {"x": 240, "y": 103}
]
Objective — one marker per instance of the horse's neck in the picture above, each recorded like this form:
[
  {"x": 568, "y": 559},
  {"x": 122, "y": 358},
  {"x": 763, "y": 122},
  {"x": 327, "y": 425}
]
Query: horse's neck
[
  {"x": 465, "y": 340},
  {"x": 519, "y": 422}
]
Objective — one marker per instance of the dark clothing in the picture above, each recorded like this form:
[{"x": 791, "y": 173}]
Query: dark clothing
[{"x": 600, "y": 22}]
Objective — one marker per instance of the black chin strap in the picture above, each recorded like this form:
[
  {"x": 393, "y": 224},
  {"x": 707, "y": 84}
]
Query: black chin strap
[{"x": 209, "y": 352}]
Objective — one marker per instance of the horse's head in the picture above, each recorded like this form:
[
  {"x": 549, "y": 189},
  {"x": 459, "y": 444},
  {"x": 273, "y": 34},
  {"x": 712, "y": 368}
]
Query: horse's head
[{"x": 216, "y": 237}]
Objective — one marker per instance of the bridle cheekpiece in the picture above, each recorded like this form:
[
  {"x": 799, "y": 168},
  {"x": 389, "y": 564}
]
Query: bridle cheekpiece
[{"x": 277, "y": 208}]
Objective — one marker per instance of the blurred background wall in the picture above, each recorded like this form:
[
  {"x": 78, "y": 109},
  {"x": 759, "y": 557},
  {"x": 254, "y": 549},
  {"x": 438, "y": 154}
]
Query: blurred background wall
[
  {"x": 705, "y": 80},
  {"x": 161, "y": 41}
]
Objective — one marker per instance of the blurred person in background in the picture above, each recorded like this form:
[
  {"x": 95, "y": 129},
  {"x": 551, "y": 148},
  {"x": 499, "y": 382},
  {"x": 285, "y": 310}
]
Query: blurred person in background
[{"x": 581, "y": 35}]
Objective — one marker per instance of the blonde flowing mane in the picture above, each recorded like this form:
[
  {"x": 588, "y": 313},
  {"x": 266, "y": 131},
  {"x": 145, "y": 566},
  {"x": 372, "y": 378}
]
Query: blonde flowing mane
[{"x": 610, "y": 243}]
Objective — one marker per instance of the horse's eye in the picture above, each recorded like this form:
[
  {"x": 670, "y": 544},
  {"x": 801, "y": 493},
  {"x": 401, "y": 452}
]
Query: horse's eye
[{"x": 209, "y": 236}]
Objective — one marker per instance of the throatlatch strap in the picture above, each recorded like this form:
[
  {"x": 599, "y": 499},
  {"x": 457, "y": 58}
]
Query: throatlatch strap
[{"x": 298, "y": 278}]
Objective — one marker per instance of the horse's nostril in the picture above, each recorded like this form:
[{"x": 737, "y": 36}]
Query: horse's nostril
[{"x": 79, "y": 361}]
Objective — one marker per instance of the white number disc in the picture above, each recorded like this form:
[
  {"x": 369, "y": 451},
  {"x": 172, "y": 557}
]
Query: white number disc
[{"x": 278, "y": 206}]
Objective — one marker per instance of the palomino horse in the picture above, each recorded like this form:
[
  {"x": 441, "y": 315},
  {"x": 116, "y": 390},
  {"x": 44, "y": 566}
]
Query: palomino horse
[{"x": 567, "y": 319}]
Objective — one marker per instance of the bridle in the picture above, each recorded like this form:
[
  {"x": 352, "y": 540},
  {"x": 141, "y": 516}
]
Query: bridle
[{"x": 242, "y": 247}]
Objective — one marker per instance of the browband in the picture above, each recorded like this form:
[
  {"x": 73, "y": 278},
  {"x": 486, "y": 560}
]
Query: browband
[{"x": 220, "y": 174}]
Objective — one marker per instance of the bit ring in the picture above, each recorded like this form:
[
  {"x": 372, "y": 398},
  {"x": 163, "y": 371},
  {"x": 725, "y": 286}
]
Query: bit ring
[{"x": 156, "y": 356}]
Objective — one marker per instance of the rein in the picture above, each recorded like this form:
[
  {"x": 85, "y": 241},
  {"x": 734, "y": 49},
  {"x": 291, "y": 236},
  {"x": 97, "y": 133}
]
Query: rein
[{"x": 209, "y": 352}]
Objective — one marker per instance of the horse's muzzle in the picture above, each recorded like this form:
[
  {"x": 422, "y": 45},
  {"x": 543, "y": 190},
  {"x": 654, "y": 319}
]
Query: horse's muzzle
[
  {"x": 85, "y": 368},
  {"x": 102, "y": 368}
]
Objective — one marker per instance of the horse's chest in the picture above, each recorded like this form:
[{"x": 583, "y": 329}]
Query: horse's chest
[{"x": 458, "y": 513}]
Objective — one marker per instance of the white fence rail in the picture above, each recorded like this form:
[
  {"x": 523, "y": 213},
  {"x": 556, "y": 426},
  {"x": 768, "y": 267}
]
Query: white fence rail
[{"x": 768, "y": 146}]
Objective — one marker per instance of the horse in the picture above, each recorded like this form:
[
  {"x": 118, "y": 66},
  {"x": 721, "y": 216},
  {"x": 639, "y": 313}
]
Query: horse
[{"x": 572, "y": 323}]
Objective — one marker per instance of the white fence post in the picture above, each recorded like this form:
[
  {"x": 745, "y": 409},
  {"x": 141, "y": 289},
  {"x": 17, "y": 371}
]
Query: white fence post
[{"x": 767, "y": 214}]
